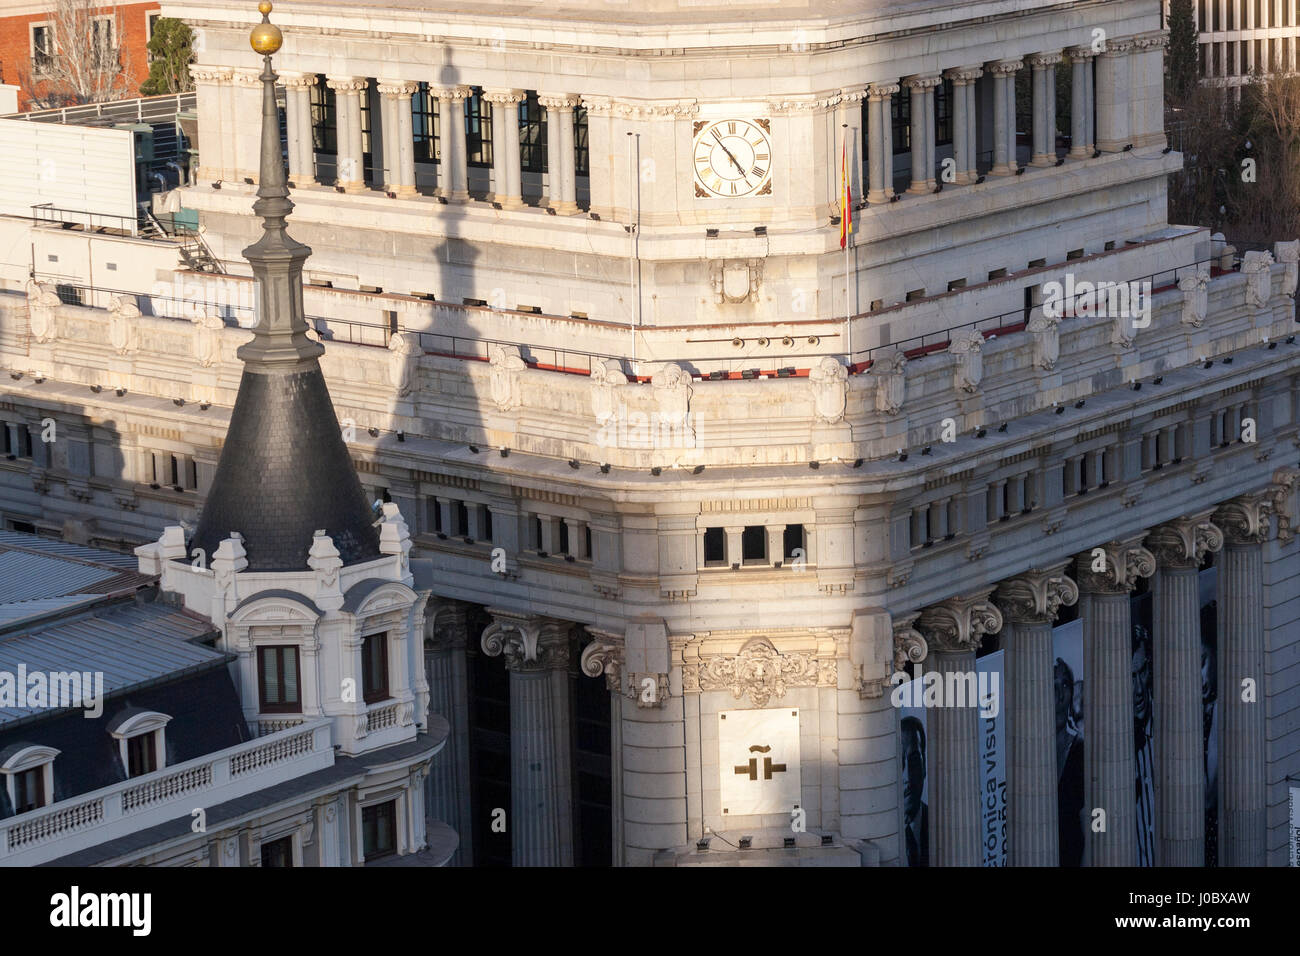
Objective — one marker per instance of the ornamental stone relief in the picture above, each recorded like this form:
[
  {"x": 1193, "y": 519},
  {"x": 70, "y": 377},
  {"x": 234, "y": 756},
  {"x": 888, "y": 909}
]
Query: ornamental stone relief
[
  {"x": 404, "y": 356},
  {"x": 891, "y": 381},
  {"x": 829, "y": 380},
  {"x": 207, "y": 339},
  {"x": 1047, "y": 341},
  {"x": 505, "y": 383},
  {"x": 966, "y": 346},
  {"x": 760, "y": 671},
  {"x": 1257, "y": 267},
  {"x": 122, "y": 312},
  {"x": 1196, "y": 298},
  {"x": 1288, "y": 253},
  {"x": 42, "y": 303}
]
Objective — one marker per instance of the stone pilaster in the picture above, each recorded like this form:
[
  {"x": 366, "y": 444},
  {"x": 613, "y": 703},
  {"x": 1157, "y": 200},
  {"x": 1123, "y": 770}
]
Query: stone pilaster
[
  {"x": 1105, "y": 579},
  {"x": 953, "y": 629},
  {"x": 1242, "y": 812},
  {"x": 447, "y": 793},
  {"x": 1179, "y": 547},
  {"x": 541, "y": 791},
  {"x": 1029, "y": 604}
]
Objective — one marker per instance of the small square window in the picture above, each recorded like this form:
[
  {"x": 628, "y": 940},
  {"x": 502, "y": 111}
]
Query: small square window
[
  {"x": 142, "y": 754},
  {"x": 753, "y": 544},
  {"x": 715, "y": 547},
  {"x": 278, "y": 853},
  {"x": 794, "y": 539},
  {"x": 29, "y": 790}
]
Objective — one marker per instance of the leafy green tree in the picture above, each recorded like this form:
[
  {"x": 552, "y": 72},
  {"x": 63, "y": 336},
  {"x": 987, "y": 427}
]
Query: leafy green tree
[{"x": 171, "y": 50}]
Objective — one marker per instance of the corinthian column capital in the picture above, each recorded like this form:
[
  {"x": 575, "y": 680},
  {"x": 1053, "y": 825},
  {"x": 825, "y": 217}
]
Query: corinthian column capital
[
  {"x": 1041, "y": 61},
  {"x": 1282, "y": 490},
  {"x": 909, "y": 644},
  {"x": 527, "y": 641},
  {"x": 925, "y": 82},
  {"x": 504, "y": 97},
  {"x": 960, "y": 623},
  {"x": 558, "y": 101},
  {"x": 1184, "y": 542},
  {"x": 1035, "y": 597},
  {"x": 1245, "y": 519},
  {"x": 604, "y": 655},
  {"x": 1114, "y": 567}
]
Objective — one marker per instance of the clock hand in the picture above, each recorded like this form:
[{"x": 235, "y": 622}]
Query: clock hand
[{"x": 728, "y": 152}]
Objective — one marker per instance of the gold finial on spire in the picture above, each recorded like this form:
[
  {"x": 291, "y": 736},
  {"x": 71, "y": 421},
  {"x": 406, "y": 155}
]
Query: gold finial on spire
[{"x": 266, "y": 37}]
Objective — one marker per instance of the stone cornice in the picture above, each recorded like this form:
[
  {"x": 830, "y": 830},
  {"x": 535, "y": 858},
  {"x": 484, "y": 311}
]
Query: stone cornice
[{"x": 644, "y": 109}]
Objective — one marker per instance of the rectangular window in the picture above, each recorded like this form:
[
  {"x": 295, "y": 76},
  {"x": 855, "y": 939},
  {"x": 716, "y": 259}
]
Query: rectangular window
[
  {"x": 580, "y": 150},
  {"x": 365, "y": 120},
  {"x": 532, "y": 134},
  {"x": 324, "y": 117},
  {"x": 151, "y": 26},
  {"x": 379, "y": 830},
  {"x": 42, "y": 48},
  {"x": 753, "y": 544},
  {"x": 900, "y": 118},
  {"x": 103, "y": 44},
  {"x": 141, "y": 754},
  {"x": 564, "y": 537},
  {"x": 424, "y": 125},
  {"x": 374, "y": 667},
  {"x": 794, "y": 539},
  {"x": 587, "y": 534},
  {"x": 487, "y": 523},
  {"x": 462, "y": 519},
  {"x": 29, "y": 790},
  {"x": 943, "y": 113},
  {"x": 278, "y": 679},
  {"x": 715, "y": 547},
  {"x": 478, "y": 129},
  {"x": 278, "y": 853}
]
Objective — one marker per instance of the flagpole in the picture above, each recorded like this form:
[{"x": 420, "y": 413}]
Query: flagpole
[{"x": 846, "y": 212}]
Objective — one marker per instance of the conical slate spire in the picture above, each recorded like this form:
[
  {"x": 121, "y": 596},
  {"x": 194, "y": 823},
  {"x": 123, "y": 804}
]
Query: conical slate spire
[{"x": 284, "y": 471}]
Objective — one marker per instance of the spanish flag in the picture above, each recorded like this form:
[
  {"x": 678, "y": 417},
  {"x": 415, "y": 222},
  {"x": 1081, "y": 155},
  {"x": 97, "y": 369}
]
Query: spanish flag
[{"x": 846, "y": 198}]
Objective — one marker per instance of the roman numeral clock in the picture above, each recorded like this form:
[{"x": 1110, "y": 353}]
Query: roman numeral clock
[{"x": 732, "y": 158}]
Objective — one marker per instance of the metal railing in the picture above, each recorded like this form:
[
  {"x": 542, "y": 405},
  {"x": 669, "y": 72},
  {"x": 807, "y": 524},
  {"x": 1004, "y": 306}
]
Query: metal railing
[
  {"x": 89, "y": 221},
  {"x": 144, "y": 109}
]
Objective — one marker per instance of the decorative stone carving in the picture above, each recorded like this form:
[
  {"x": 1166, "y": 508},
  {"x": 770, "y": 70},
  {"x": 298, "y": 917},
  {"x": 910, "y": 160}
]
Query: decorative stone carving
[
  {"x": 122, "y": 313},
  {"x": 1184, "y": 543},
  {"x": 1282, "y": 491},
  {"x": 648, "y": 690},
  {"x": 889, "y": 371},
  {"x": 1257, "y": 268},
  {"x": 207, "y": 339},
  {"x": 1196, "y": 298},
  {"x": 1047, "y": 340},
  {"x": 1125, "y": 562},
  {"x": 1035, "y": 597},
  {"x": 829, "y": 381},
  {"x": 505, "y": 381},
  {"x": 959, "y": 623},
  {"x": 759, "y": 670},
  {"x": 735, "y": 280},
  {"x": 1245, "y": 519},
  {"x": 607, "y": 382},
  {"x": 966, "y": 346},
  {"x": 42, "y": 303},
  {"x": 1122, "y": 329},
  {"x": 899, "y": 574},
  {"x": 403, "y": 362},
  {"x": 603, "y": 657},
  {"x": 672, "y": 391},
  {"x": 1288, "y": 253},
  {"x": 909, "y": 644},
  {"x": 528, "y": 642}
]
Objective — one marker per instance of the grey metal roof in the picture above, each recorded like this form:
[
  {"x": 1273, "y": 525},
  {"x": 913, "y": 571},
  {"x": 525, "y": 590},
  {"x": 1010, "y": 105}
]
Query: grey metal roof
[
  {"x": 24, "y": 576},
  {"x": 33, "y": 542},
  {"x": 38, "y": 607},
  {"x": 130, "y": 644}
]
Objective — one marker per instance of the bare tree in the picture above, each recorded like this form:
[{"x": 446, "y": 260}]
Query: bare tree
[
  {"x": 80, "y": 57},
  {"x": 1272, "y": 105}
]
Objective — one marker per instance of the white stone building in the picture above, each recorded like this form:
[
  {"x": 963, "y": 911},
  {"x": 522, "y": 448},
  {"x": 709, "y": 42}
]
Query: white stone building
[
  {"x": 646, "y": 431},
  {"x": 1238, "y": 37}
]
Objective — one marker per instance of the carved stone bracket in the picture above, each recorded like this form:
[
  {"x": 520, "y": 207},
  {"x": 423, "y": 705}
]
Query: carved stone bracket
[{"x": 604, "y": 656}]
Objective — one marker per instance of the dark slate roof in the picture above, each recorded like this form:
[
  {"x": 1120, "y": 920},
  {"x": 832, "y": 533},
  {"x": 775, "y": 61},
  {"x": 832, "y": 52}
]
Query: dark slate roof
[
  {"x": 130, "y": 644},
  {"x": 284, "y": 594},
  {"x": 359, "y": 592},
  {"x": 284, "y": 473}
]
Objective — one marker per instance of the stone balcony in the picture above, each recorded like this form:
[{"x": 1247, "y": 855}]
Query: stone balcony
[{"x": 87, "y": 820}]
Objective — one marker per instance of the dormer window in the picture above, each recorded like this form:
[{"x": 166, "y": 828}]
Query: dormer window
[
  {"x": 278, "y": 683},
  {"x": 374, "y": 667},
  {"x": 28, "y": 772},
  {"x": 141, "y": 740}
]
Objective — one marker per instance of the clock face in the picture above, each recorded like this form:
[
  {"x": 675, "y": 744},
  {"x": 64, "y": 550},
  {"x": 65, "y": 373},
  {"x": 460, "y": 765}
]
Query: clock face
[{"x": 732, "y": 158}]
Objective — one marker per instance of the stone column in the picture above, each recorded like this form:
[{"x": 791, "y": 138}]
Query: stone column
[
  {"x": 963, "y": 122},
  {"x": 399, "y": 143},
  {"x": 953, "y": 629},
  {"x": 1004, "y": 116},
  {"x": 886, "y": 92},
  {"x": 1080, "y": 102},
  {"x": 505, "y": 146},
  {"x": 541, "y": 789},
  {"x": 921, "y": 89},
  {"x": 877, "y": 116},
  {"x": 605, "y": 655},
  {"x": 1105, "y": 581},
  {"x": 348, "y": 91},
  {"x": 1112, "y": 97},
  {"x": 1179, "y": 547},
  {"x": 297, "y": 100},
  {"x": 453, "y": 173},
  {"x": 560, "y": 156},
  {"x": 1044, "y": 74},
  {"x": 972, "y": 118},
  {"x": 447, "y": 792},
  {"x": 1029, "y": 604},
  {"x": 1242, "y": 745}
]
